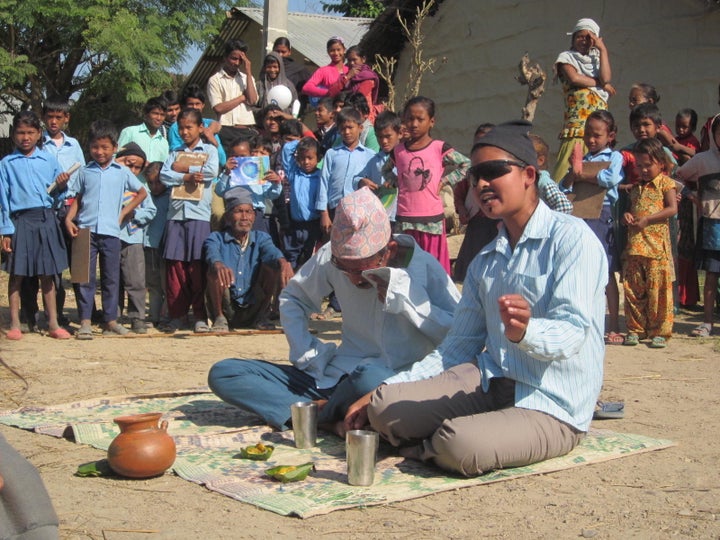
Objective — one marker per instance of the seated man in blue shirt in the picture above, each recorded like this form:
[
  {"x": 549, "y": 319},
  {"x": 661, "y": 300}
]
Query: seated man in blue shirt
[
  {"x": 240, "y": 277},
  {"x": 517, "y": 377}
]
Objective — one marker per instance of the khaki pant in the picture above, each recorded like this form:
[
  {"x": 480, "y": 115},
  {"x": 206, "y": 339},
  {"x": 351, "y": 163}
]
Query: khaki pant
[{"x": 449, "y": 420}]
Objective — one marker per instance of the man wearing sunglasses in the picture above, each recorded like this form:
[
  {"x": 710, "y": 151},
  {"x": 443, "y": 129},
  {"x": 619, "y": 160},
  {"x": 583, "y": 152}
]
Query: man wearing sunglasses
[
  {"x": 517, "y": 377},
  {"x": 399, "y": 303}
]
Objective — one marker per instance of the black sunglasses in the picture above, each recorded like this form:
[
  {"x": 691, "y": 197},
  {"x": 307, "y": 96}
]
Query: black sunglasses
[{"x": 490, "y": 170}]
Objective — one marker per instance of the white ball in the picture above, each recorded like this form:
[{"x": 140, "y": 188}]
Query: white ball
[{"x": 280, "y": 95}]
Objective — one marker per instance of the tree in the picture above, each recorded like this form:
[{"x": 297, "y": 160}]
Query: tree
[
  {"x": 108, "y": 54},
  {"x": 356, "y": 8}
]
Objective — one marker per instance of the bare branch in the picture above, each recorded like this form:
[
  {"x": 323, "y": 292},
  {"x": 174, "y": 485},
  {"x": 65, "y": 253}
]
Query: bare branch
[
  {"x": 534, "y": 77},
  {"x": 385, "y": 68}
]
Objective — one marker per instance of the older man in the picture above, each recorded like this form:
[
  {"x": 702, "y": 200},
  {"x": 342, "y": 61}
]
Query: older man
[
  {"x": 244, "y": 267},
  {"x": 398, "y": 301},
  {"x": 517, "y": 377}
]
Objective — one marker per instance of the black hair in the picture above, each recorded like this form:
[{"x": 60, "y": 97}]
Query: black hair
[
  {"x": 242, "y": 140},
  {"x": 689, "y": 113},
  {"x": 388, "y": 119},
  {"x": 483, "y": 129},
  {"x": 654, "y": 148},
  {"x": 332, "y": 41},
  {"x": 235, "y": 45},
  {"x": 646, "y": 110},
  {"x": 194, "y": 114},
  {"x": 326, "y": 102},
  {"x": 340, "y": 98},
  {"x": 193, "y": 91},
  {"x": 103, "y": 129},
  {"x": 261, "y": 142},
  {"x": 29, "y": 119},
  {"x": 425, "y": 102},
  {"x": 358, "y": 101},
  {"x": 648, "y": 91},
  {"x": 308, "y": 143},
  {"x": 293, "y": 128},
  {"x": 607, "y": 118},
  {"x": 348, "y": 114},
  {"x": 270, "y": 107},
  {"x": 152, "y": 170},
  {"x": 56, "y": 103},
  {"x": 154, "y": 103},
  {"x": 282, "y": 40},
  {"x": 271, "y": 58},
  {"x": 354, "y": 49},
  {"x": 170, "y": 97}
]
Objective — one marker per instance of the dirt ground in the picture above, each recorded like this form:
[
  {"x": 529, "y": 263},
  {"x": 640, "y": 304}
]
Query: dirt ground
[{"x": 670, "y": 393}]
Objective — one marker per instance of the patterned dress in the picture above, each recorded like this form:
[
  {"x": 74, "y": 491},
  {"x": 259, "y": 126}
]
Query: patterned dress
[{"x": 648, "y": 267}]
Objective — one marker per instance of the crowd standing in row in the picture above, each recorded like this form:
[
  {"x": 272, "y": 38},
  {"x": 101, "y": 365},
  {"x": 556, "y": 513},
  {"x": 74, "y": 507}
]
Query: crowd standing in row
[{"x": 166, "y": 214}]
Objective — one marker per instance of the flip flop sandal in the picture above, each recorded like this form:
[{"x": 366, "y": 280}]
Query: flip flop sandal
[
  {"x": 264, "y": 325},
  {"x": 658, "y": 342},
  {"x": 631, "y": 340},
  {"x": 703, "y": 330},
  {"x": 609, "y": 410},
  {"x": 613, "y": 338},
  {"x": 220, "y": 326},
  {"x": 59, "y": 333},
  {"x": 201, "y": 327},
  {"x": 14, "y": 334},
  {"x": 84, "y": 333}
]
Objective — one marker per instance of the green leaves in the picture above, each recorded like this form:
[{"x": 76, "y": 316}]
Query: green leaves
[{"x": 291, "y": 473}]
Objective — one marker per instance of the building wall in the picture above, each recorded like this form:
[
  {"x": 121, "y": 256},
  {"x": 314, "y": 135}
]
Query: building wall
[{"x": 672, "y": 44}]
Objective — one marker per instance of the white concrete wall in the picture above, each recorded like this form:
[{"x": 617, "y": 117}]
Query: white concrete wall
[{"x": 672, "y": 44}]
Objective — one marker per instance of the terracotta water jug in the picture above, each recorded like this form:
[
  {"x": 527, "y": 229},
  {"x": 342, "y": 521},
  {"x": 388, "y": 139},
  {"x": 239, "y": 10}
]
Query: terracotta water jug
[{"x": 143, "y": 448}]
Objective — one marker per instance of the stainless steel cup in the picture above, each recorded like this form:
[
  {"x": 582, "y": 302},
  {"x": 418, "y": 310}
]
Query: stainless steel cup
[
  {"x": 361, "y": 451},
  {"x": 304, "y": 421}
]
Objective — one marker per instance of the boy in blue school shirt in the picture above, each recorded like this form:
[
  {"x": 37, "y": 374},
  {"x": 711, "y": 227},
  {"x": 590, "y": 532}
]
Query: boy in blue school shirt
[
  {"x": 99, "y": 190},
  {"x": 340, "y": 166},
  {"x": 132, "y": 238},
  {"x": 387, "y": 131},
  {"x": 154, "y": 261},
  {"x": 300, "y": 163}
]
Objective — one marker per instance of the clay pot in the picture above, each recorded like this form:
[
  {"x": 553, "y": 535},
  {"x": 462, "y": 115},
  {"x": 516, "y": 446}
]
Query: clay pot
[{"x": 143, "y": 449}]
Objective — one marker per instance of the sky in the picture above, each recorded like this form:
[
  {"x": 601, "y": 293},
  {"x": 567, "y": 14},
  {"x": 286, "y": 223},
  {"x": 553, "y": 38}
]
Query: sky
[{"x": 295, "y": 6}]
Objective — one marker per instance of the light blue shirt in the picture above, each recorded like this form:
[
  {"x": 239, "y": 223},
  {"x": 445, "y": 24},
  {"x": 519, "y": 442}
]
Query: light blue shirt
[
  {"x": 608, "y": 178},
  {"x": 156, "y": 228},
  {"x": 181, "y": 210},
  {"x": 175, "y": 142},
  {"x": 413, "y": 320},
  {"x": 24, "y": 181},
  {"x": 134, "y": 231},
  {"x": 560, "y": 268},
  {"x": 102, "y": 192},
  {"x": 67, "y": 154},
  {"x": 373, "y": 171},
  {"x": 340, "y": 166},
  {"x": 155, "y": 146},
  {"x": 303, "y": 186}
]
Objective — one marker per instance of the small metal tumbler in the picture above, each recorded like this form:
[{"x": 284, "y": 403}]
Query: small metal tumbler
[
  {"x": 361, "y": 450},
  {"x": 304, "y": 421}
]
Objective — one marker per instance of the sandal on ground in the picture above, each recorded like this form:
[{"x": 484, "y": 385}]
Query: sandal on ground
[
  {"x": 658, "y": 342},
  {"x": 59, "y": 333},
  {"x": 171, "y": 326},
  {"x": 115, "y": 330},
  {"x": 14, "y": 334},
  {"x": 264, "y": 325},
  {"x": 613, "y": 338},
  {"x": 84, "y": 333},
  {"x": 631, "y": 340},
  {"x": 607, "y": 410},
  {"x": 220, "y": 326},
  {"x": 702, "y": 330},
  {"x": 201, "y": 327}
]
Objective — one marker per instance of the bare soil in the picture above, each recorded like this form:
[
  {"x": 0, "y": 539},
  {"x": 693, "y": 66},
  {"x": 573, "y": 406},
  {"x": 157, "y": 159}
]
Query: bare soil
[{"x": 669, "y": 393}]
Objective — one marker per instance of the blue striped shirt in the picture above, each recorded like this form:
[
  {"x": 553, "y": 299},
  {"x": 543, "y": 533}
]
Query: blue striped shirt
[{"x": 560, "y": 268}]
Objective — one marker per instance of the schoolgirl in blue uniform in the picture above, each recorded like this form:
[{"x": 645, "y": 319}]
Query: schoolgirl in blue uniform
[{"x": 31, "y": 234}]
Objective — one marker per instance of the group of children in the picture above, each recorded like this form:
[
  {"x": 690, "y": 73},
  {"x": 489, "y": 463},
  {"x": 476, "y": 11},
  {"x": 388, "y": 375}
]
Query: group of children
[
  {"x": 647, "y": 221},
  {"x": 151, "y": 195}
]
